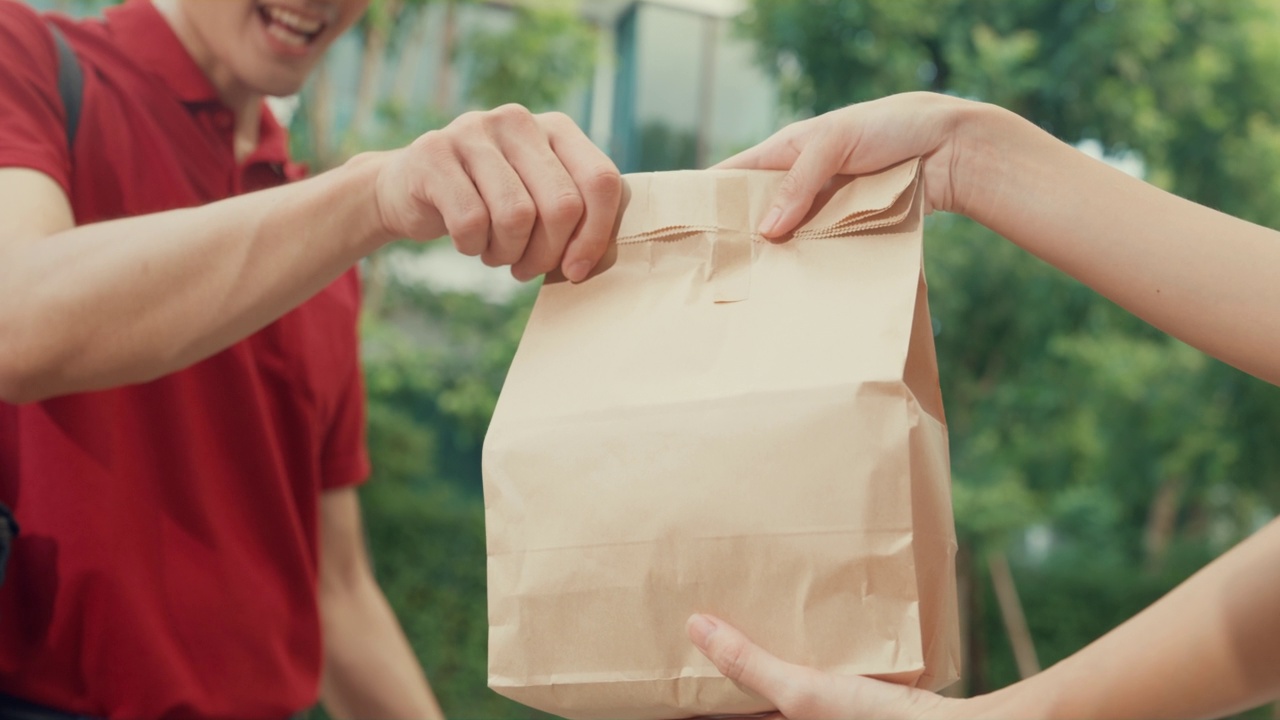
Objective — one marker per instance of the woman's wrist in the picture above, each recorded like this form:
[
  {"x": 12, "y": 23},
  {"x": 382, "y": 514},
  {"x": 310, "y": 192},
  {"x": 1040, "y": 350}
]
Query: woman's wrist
[
  {"x": 1019, "y": 701},
  {"x": 982, "y": 135}
]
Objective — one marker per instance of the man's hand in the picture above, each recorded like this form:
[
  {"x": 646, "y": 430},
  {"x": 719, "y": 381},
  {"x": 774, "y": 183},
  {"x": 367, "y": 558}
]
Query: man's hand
[
  {"x": 801, "y": 693},
  {"x": 514, "y": 188}
]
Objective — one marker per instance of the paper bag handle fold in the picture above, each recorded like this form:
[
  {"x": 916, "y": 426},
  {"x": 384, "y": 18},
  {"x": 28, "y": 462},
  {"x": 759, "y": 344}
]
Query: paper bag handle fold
[
  {"x": 706, "y": 201},
  {"x": 725, "y": 206}
]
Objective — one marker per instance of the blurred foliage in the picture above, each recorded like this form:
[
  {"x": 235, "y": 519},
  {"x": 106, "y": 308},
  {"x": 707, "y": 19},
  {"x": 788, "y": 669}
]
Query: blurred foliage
[
  {"x": 547, "y": 48},
  {"x": 666, "y": 147},
  {"x": 434, "y": 363},
  {"x": 1186, "y": 84}
]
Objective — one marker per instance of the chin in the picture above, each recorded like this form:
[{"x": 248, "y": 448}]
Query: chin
[
  {"x": 280, "y": 87},
  {"x": 264, "y": 75}
]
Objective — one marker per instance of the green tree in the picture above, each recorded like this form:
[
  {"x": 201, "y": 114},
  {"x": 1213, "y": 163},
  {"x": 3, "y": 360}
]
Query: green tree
[
  {"x": 434, "y": 363},
  {"x": 548, "y": 50}
]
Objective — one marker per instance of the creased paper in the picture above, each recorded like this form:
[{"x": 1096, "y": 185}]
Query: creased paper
[{"x": 718, "y": 423}]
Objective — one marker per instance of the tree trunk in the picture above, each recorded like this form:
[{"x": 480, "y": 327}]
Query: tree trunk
[
  {"x": 444, "y": 79},
  {"x": 318, "y": 110},
  {"x": 975, "y": 666},
  {"x": 963, "y": 583},
  {"x": 1015, "y": 622},
  {"x": 1161, "y": 521},
  {"x": 407, "y": 68},
  {"x": 376, "y": 37}
]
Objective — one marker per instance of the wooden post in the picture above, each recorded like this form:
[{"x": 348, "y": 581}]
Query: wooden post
[
  {"x": 1015, "y": 622},
  {"x": 964, "y": 582},
  {"x": 1162, "y": 520},
  {"x": 976, "y": 632}
]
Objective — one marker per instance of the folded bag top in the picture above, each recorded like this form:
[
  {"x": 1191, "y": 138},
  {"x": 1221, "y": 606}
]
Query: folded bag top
[
  {"x": 729, "y": 205},
  {"x": 716, "y": 422}
]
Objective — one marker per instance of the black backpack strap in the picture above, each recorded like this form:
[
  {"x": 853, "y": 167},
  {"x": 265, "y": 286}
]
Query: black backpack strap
[
  {"x": 8, "y": 531},
  {"x": 70, "y": 83}
]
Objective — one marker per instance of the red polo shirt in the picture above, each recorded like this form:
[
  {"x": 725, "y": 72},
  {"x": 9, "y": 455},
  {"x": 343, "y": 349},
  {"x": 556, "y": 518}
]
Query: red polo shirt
[{"x": 167, "y": 562}]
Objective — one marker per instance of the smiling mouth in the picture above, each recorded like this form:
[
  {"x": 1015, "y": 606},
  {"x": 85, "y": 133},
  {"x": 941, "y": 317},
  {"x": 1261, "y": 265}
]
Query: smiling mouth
[{"x": 290, "y": 27}]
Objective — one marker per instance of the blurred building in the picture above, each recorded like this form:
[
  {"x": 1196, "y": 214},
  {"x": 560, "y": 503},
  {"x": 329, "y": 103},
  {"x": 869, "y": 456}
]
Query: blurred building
[{"x": 675, "y": 85}]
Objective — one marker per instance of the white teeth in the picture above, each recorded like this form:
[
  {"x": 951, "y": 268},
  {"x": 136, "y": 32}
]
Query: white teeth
[
  {"x": 286, "y": 36},
  {"x": 293, "y": 21}
]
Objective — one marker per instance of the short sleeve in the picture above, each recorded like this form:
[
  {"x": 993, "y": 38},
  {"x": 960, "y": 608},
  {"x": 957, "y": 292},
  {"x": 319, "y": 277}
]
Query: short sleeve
[
  {"x": 32, "y": 119},
  {"x": 345, "y": 455},
  {"x": 345, "y": 460}
]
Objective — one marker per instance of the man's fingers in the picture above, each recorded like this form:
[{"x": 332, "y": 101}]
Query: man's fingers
[
  {"x": 559, "y": 202},
  {"x": 447, "y": 195},
  {"x": 600, "y": 185},
  {"x": 511, "y": 210},
  {"x": 741, "y": 660}
]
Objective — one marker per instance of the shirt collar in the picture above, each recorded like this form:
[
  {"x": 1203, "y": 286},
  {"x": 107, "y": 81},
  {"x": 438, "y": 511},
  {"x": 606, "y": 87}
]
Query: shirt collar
[
  {"x": 273, "y": 145},
  {"x": 141, "y": 33}
]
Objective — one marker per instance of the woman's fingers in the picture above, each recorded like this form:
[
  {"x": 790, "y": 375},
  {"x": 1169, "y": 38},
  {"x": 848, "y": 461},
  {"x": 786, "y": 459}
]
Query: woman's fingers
[{"x": 801, "y": 693}]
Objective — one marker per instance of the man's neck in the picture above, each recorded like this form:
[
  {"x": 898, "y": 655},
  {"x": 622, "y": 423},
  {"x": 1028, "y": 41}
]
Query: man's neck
[{"x": 248, "y": 123}]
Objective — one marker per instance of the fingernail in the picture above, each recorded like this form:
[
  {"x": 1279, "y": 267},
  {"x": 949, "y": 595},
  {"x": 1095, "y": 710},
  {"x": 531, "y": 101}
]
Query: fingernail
[
  {"x": 578, "y": 270},
  {"x": 771, "y": 221},
  {"x": 700, "y": 628}
]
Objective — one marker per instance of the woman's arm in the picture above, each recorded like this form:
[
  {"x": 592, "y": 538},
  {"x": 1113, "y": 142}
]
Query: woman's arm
[
  {"x": 1210, "y": 647},
  {"x": 1206, "y": 278}
]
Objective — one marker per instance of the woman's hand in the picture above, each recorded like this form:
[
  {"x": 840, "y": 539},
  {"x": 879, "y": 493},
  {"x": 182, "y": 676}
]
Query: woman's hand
[
  {"x": 802, "y": 693},
  {"x": 860, "y": 139}
]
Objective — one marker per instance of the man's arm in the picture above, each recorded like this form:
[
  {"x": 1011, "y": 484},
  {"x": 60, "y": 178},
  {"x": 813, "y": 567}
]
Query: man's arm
[
  {"x": 125, "y": 301},
  {"x": 112, "y": 303},
  {"x": 369, "y": 668}
]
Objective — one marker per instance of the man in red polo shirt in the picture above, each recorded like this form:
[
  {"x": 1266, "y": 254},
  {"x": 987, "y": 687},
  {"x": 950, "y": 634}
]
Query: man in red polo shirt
[{"x": 182, "y": 424}]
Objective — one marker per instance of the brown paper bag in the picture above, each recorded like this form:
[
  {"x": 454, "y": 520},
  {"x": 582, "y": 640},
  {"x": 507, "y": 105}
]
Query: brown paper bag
[{"x": 723, "y": 424}]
